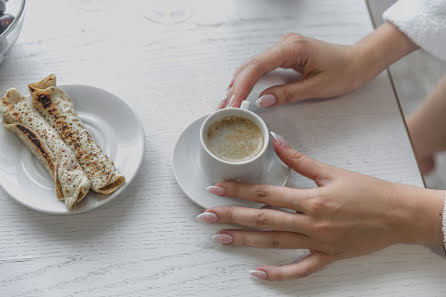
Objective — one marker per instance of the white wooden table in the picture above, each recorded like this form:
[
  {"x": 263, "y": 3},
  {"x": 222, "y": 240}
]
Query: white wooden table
[{"x": 147, "y": 242}]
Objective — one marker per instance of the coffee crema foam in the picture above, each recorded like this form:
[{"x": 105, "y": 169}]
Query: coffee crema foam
[{"x": 234, "y": 139}]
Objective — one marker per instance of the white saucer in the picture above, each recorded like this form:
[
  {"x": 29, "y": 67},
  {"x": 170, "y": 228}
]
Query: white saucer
[
  {"x": 114, "y": 126},
  {"x": 194, "y": 182}
]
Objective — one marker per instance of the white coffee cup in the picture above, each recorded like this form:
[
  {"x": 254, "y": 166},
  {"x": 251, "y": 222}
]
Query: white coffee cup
[{"x": 217, "y": 169}]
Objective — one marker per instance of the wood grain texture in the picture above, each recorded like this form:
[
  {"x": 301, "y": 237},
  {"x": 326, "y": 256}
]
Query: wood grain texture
[{"x": 147, "y": 242}]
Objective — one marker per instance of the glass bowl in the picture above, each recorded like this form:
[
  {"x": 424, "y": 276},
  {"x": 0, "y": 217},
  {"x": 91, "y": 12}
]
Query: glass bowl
[{"x": 10, "y": 35}]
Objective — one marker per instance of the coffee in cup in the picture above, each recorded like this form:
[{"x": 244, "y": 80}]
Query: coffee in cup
[
  {"x": 234, "y": 139},
  {"x": 234, "y": 145}
]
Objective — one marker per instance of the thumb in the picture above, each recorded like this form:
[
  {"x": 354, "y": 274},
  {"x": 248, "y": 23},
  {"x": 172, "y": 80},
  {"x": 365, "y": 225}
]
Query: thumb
[
  {"x": 301, "y": 163},
  {"x": 292, "y": 92}
]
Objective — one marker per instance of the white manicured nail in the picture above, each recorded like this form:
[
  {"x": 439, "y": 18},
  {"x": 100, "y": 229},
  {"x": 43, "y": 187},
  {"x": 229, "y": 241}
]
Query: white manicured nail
[
  {"x": 216, "y": 190},
  {"x": 222, "y": 238},
  {"x": 266, "y": 100},
  {"x": 259, "y": 274},
  {"x": 207, "y": 217},
  {"x": 279, "y": 139}
]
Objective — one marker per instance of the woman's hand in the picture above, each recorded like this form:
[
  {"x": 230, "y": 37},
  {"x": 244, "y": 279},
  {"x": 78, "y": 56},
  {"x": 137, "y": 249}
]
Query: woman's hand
[
  {"x": 348, "y": 215},
  {"x": 426, "y": 127},
  {"x": 327, "y": 69}
]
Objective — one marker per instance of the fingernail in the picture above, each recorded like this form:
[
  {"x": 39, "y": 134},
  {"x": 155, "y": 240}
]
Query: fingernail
[
  {"x": 231, "y": 101},
  {"x": 266, "y": 100},
  {"x": 222, "y": 238},
  {"x": 279, "y": 139},
  {"x": 216, "y": 190},
  {"x": 207, "y": 217},
  {"x": 222, "y": 102},
  {"x": 259, "y": 274}
]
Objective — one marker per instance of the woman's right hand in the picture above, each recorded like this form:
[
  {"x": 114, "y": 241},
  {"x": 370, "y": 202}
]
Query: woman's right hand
[
  {"x": 327, "y": 69},
  {"x": 347, "y": 215}
]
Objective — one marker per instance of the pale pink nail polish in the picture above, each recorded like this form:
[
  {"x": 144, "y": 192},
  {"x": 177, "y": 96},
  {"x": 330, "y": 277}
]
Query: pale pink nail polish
[
  {"x": 222, "y": 238},
  {"x": 266, "y": 100},
  {"x": 216, "y": 190},
  {"x": 259, "y": 274},
  {"x": 207, "y": 217},
  {"x": 279, "y": 139}
]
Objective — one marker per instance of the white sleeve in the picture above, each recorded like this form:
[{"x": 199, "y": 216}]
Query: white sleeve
[{"x": 423, "y": 21}]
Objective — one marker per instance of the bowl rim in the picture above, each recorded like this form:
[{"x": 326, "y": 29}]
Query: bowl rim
[{"x": 15, "y": 21}]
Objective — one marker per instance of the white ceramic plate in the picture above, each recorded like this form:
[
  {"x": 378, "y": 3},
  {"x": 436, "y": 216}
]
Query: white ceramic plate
[
  {"x": 194, "y": 182},
  {"x": 114, "y": 126}
]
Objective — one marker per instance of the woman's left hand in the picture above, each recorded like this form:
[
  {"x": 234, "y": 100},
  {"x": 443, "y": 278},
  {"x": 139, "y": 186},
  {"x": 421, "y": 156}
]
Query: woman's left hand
[{"x": 348, "y": 215}]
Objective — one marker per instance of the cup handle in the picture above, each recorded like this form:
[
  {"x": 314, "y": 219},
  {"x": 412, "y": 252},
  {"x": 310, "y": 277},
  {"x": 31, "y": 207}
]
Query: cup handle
[{"x": 245, "y": 105}]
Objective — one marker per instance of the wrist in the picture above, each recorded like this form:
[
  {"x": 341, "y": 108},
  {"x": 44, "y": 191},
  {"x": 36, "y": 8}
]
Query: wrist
[
  {"x": 381, "y": 48},
  {"x": 419, "y": 216}
]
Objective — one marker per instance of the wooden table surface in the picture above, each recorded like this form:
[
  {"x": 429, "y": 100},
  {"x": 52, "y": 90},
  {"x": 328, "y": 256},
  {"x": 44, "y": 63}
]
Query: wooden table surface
[{"x": 148, "y": 242}]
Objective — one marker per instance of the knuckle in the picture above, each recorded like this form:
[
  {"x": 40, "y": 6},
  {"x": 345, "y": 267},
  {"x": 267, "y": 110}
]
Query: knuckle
[
  {"x": 262, "y": 193},
  {"x": 297, "y": 156},
  {"x": 317, "y": 205},
  {"x": 291, "y": 36},
  {"x": 288, "y": 36},
  {"x": 287, "y": 95},
  {"x": 324, "y": 228},
  {"x": 290, "y": 223},
  {"x": 226, "y": 212},
  {"x": 274, "y": 243},
  {"x": 261, "y": 219},
  {"x": 241, "y": 239},
  {"x": 296, "y": 41},
  {"x": 300, "y": 43}
]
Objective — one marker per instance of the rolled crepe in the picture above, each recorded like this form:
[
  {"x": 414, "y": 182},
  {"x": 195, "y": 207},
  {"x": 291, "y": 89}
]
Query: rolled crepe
[
  {"x": 71, "y": 182},
  {"x": 57, "y": 109}
]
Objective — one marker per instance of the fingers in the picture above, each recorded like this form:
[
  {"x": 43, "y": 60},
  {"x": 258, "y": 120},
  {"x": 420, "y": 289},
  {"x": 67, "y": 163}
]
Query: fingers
[
  {"x": 248, "y": 78},
  {"x": 292, "y": 51},
  {"x": 288, "y": 93},
  {"x": 228, "y": 100},
  {"x": 223, "y": 102},
  {"x": 263, "y": 239},
  {"x": 258, "y": 218},
  {"x": 271, "y": 195},
  {"x": 308, "y": 265},
  {"x": 237, "y": 72},
  {"x": 301, "y": 163},
  {"x": 247, "y": 75}
]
